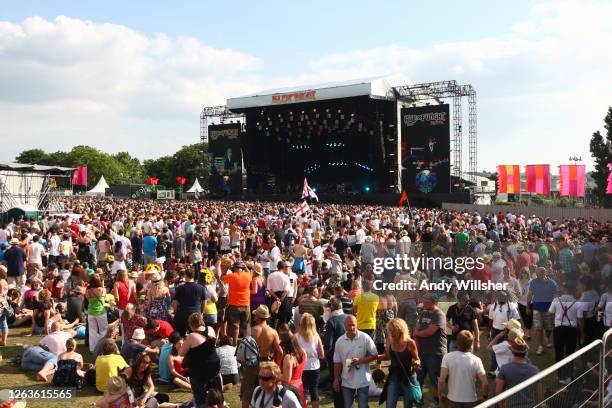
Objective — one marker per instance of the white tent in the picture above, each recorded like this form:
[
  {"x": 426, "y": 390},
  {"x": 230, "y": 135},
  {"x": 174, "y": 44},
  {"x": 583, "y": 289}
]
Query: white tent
[
  {"x": 99, "y": 189},
  {"x": 196, "y": 188}
]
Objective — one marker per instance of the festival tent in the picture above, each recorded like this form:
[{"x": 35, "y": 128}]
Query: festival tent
[
  {"x": 196, "y": 188},
  {"x": 99, "y": 189}
]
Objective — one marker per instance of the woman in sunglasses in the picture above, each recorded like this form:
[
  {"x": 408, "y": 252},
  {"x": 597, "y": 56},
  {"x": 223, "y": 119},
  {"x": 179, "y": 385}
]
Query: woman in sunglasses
[{"x": 270, "y": 393}]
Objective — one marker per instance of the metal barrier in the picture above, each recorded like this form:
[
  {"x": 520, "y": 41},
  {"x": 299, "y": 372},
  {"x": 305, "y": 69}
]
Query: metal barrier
[
  {"x": 605, "y": 362},
  {"x": 574, "y": 382}
]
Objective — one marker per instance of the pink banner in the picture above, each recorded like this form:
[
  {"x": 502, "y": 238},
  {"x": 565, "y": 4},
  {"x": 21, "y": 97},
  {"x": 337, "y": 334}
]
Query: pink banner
[
  {"x": 609, "y": 189},
  {"x": 572, "y": 180},
  {"x": 537, "y": 178}
]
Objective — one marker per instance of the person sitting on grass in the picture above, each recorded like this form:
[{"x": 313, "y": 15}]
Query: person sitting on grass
[
  {"x": 43, "y": 357},
  {"x": 108, "y": 364},
  {"x": 132, "y": 348},
  {"x": 139, "y": 379},
  {"x": 178, "y": 373},
  {"x": 69, "y": 371},
  {"x": 229, "y": 364}
]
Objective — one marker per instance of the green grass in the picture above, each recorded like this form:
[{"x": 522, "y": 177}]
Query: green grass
[{"x": 13, "y": 376}]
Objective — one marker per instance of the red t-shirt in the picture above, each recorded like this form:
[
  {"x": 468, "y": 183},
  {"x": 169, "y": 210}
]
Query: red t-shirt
[{"x": 164, "y": 330}]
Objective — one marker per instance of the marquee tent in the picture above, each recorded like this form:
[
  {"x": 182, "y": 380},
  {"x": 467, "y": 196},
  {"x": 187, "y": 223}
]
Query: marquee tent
[{"x": 100, "y": 188}]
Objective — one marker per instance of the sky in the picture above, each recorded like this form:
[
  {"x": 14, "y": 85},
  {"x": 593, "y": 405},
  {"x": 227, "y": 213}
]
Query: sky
[{"x": 134, "y": 76}]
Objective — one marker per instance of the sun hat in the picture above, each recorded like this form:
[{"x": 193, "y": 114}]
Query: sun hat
[
  {"x": 116, "y": 385},
  {"x": 134, "y": 275},
  {"x": 14, "y": 241},
  {"x": 515, "y": 334},
  {"x": 262, "y": 312},
  {"x": 257, "y": 269},
  {"x": 512, "y": 324},
  {"x": 139, "y": 334},
  {"x": 519, "y": 346}
]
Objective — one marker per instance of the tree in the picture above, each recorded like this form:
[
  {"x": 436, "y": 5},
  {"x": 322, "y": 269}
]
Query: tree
[
  {"x": 32, "y": 156},
  {"x": 131, "y": 169},
  {"x": 601, "y": 150}
]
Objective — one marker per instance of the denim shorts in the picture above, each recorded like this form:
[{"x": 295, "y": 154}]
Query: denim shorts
[
  {"x": 310, "y": 380},
  {"x": 3, "y": 324}
]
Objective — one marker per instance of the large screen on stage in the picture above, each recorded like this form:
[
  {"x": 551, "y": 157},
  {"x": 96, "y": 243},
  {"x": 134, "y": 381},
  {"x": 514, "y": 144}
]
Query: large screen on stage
[
  {"x": 426, "y": 149},
  {"x": 224, "y": 146}
]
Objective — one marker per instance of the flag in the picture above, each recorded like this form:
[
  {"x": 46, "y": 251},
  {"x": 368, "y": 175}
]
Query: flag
[
  {"x": 609, "y": 189},
  {"x": 572, "y": 180},
  {"x": 537, "y": 178},
  {"x": 508, "y": 179},
  {"x": 302, "y": 208},
  {"x": 308, "y": 192},
  {"x": 403, "y": 199},
  {"x": 79, "y": 177}
]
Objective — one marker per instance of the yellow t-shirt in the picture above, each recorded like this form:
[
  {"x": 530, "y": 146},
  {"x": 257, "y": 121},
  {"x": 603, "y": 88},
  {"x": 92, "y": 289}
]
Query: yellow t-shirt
[
  {"x": 107, "y": 367},
  {"x": 367, "y": 304}
]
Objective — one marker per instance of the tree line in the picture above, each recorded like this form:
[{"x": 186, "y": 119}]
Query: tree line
[{"x": 190, "y": 161}]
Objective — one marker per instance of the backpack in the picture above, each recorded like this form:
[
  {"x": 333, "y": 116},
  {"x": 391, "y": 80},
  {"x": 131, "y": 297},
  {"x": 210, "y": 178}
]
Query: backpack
[
  {"x": 280, "y": 394},
  {"x": 247, "y": 352},
  {"x": 6, "y": 310}
]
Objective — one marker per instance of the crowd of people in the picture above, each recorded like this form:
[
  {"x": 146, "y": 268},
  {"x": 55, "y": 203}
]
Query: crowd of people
[{"x": 212, "y": 295}]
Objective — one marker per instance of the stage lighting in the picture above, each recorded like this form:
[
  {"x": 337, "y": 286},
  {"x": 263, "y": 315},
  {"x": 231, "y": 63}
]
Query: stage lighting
[
  {"x": 314, "y": 109},
  {"x": 366, "y": 189}
]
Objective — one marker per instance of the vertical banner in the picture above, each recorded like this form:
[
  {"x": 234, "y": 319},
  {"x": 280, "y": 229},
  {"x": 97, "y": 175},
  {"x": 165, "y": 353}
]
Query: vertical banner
[
  {"x": 508, "y": 179},
  {"x": 572, "y": 180},
  {"x": 426, "y": 149},
  {"x": 225, "y": 151},
  {"x": 537, "y": 177}
]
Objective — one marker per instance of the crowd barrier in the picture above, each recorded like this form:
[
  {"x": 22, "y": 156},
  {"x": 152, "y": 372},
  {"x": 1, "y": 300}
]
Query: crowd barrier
[
  {"x": 577, "y": 381},
  {"x": 555, "y": 213}
]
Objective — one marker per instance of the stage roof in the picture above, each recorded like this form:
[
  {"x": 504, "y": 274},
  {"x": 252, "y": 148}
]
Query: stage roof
[
  {"x": 376, "y": 87},
  {"x": 31, "y": 167}
]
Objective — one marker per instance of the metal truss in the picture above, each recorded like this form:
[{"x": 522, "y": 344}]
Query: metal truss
[
  {"x": 438, "y": 91},
  {"x": 219, "y": 112}
]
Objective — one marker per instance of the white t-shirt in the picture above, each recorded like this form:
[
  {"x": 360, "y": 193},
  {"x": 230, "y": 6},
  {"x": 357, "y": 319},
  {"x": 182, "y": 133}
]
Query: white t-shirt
[
  {"x": 317, "y": 253},
  {"x": 55, "y": 244},
  {"x": 56, "y": 342},
  {"x": 274, "y": 258},
  {"x": 503, "y": 354},
  {"x": 278, "y": 282},
  {"x": 501, "y": 313},
  {"x": 463, "y": 368},
  {"x": 36, "y": 251},
  {"x": 565, "y": 309},
  {"x": 292, "y": 278}
]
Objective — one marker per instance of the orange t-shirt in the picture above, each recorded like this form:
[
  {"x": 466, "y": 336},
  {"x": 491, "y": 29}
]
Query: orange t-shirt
[{"x": 239, "y": 291}]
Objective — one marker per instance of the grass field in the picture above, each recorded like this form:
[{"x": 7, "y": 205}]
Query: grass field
[{"x": 13, "y": 376}]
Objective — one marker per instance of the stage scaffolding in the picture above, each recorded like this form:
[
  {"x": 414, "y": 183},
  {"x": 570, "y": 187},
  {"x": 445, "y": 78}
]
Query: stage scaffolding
[
  {"x": 437, "y": 92},
  {"x": 431, "y": 92}
]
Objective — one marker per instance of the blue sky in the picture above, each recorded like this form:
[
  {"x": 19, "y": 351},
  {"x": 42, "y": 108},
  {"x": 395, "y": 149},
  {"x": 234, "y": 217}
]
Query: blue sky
[{"x": 133, "y": 75}]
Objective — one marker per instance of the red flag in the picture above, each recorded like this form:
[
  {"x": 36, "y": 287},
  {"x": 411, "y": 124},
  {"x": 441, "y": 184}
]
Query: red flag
[
  {"x": 403, "y": 199},
  {"x": 181, "y": 180},
  {"x": 79, "y": 177}
]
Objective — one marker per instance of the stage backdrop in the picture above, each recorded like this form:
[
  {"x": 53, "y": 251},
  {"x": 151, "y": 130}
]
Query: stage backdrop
[
  {"x": 426, "y": 149},
  {"x": 224, "y": 146}
]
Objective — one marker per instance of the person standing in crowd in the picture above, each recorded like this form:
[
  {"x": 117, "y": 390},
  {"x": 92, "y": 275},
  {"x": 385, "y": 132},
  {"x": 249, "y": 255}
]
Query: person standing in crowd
[
  {"x": 124, "y": 291},
  {"x": 500, "y": 312},
  {"x": 200, "y": 358},
  {"x": 401, "y": 349},
  {"x": 461, "y": 368},
  {"x": 309, "y": 340},
  {"x": 514, "y": 373},
  {"x": 566, "y": 335},
  {"x": 268, "y": 344},
  {"x": 278, "y": 286},
  {"x": 461, "y": 316},
  {"x": 352, "y": 356},
  {"x": 431, "y": 340},
  {"x": 270, "y": 392},
  {"x": 238, "y": 312},
  {"x": 187, "y": 300},
  {"x": 523, "y": 302},
  {"x": 364, "y": 308},
  {"x": 587, "y": 312},
  {"x": 97, "y": 321},
  {"x": 334, "y": 329},
  {"x": 149, "y": 246},
  {"x": 15, "y": 258},
  {"x": 542, "y": 291}
]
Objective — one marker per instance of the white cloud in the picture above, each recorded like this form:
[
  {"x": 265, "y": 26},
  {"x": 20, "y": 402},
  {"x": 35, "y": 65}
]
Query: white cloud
[{"x": 69, "y": 81}]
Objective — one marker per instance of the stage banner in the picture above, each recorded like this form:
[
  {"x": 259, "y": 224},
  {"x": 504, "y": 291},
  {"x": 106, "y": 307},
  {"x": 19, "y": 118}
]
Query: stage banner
[
  {"x": 426, "y": 149},
  {"x": 509, "y": 179},
  {"x": 224, "y": 146},
  {"x": 537, "y": 177},
  {"x": 572, "y": 180},
  {"x": 609, "y": 188}
]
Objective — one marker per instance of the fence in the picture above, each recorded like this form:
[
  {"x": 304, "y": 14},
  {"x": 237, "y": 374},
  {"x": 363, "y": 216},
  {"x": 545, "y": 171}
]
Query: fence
[
  {"x": 573, "y": 382},
  {"x": 556, "y": 213}
]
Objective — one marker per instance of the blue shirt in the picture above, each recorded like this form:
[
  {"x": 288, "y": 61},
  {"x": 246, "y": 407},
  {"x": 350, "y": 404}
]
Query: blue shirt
[
  {"x": 149, "y": 245},
  {"x": 164, "y": 370},
  {"x": 14, "y": 257},
  {"x": 544, "y": 291}
]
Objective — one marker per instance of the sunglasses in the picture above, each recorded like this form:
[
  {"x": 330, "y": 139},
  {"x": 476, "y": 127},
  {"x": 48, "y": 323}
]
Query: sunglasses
[{"x": 265, "y": 377}]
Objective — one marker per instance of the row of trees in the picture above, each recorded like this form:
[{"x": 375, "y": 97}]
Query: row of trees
[
  {"x": 601, "y": 150},
  {"x": 121, "y": 168}
]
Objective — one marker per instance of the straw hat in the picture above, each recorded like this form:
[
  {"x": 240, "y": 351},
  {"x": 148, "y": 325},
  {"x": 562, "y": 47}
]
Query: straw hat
[
  {"x": 116, "y": 385},
  {"x": 512, "y": 324},
  {"x": 262, "y": 312},
  {"x": 14, "y": 241},
  {"x": 257, "y": 269}
]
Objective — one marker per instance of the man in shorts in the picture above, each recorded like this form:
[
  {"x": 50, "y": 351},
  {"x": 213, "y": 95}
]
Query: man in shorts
[
  {"x": 542, "y": 291},
  {"x": 237, "y": 313}
]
